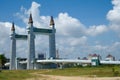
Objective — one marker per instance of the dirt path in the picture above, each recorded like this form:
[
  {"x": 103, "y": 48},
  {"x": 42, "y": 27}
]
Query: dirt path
[
  {"x": 52, "y": 77},
  {"x": 82, "y": 78}
]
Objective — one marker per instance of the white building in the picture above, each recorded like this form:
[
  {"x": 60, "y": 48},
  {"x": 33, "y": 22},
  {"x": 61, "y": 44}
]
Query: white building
[{"x": 109, "y": 57}]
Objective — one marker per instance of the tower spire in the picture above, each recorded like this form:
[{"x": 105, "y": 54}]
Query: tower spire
[
  {"x": 13, "y": 27},
  {"x": 52, "y": 21},
  {"x": 30, "y": 19}
]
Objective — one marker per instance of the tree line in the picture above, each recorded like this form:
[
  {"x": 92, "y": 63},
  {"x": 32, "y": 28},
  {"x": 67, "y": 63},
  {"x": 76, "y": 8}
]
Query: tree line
[{"x": 3, "y": 60}]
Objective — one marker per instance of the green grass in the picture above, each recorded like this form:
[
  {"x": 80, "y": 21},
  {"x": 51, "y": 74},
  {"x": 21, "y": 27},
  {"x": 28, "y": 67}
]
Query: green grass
[
  {"x": 13, "y": 75},
  {"x": 103, "y": 71},
  {"x": 87, "y": 71},
  {"x": 20, "y": 74}
]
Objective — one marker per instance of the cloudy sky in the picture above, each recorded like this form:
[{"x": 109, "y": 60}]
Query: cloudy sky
[{"x": 82, "y": 26}]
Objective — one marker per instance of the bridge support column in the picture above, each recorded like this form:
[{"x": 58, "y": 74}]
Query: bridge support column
[
  {"x": 13, "y": 49},
  {"x": 52, "y": 46},
  {"x": 31, "y": 45}
]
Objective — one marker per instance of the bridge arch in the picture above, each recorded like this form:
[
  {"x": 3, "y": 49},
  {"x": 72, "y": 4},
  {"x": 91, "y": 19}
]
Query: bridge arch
[{"x": 30, "y": 37}]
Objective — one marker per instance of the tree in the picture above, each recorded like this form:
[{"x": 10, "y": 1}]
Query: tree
[{"x": 2, "y": 60}]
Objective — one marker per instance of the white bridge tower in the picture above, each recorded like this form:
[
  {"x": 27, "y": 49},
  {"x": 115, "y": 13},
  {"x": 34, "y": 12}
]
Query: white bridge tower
[{"x": 31, "y": 42}]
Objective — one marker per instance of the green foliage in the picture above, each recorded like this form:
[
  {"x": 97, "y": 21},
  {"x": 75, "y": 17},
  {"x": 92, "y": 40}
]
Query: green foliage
[
  {"x": 2, "y": 60},
  {"x": 115, "y": 71}
]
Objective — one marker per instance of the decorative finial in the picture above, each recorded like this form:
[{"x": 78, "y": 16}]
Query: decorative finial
[
  {"x": 30, "y": 19},
  {"x": 52, "y": 21},
  {"x": 13, "y": 28}
]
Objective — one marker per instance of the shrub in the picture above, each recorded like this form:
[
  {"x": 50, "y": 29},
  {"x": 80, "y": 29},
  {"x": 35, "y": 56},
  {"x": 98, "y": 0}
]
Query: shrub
[{"x": 116, "y": 73}]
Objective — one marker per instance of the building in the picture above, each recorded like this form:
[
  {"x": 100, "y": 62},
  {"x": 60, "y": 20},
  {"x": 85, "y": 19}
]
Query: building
[
  {"x": 41, "y": 56},
  {"x": 95, "y": 59},
  {"x": 92, "y": 56},
  {"x": 109, "y": 57}
]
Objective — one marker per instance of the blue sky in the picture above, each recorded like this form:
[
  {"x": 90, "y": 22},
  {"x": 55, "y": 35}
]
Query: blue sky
[
  {"x": 83, "y": 26},
  {"x": 86, "y": 11}
]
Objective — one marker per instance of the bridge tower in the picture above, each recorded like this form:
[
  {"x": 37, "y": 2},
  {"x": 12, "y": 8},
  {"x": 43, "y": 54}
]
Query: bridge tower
[
  {"x": 31, "y": 44},
  {"x": 13, "y": 49},
  {"x": 52, "y": 46}
]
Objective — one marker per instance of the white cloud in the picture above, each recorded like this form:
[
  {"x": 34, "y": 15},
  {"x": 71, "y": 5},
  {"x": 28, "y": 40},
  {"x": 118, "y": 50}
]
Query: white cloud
[
  {"x": 96, "y": 30},
  {"x": 5, "y": 37},
  {"x": 114, "y": 16},
  {"x": 65, "y": 24},
  {"x": 69, "y": 26},
  {"x": 4, "y": 34},
  {"x": 72, "y": 41},
  {"x": 37, "y": 19},
  {"x": 78, "y": 41}
]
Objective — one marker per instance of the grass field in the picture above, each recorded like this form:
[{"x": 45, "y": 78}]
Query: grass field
[
  {"x": 103, "y": 71},
  {"x": 87, "y": 71}
]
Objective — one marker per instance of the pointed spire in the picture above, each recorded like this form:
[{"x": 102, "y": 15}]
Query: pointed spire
[
  {"x": 30, "y": 19},
  {"x": 52, "y": 21},
  {"x": 13, "y": 28}
]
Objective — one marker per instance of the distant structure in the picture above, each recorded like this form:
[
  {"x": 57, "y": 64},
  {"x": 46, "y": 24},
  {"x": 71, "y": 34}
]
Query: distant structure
[
  {"x": 41, "y": 56},
  {"x": 95, "y": 59},
  {"x": 91, "y": 56},
  {"x": 57, "y": 54},
  {"x": 109, "y": 57},
  {"x": 84, "y": 58},
  {"x": 31, "y": 42}
]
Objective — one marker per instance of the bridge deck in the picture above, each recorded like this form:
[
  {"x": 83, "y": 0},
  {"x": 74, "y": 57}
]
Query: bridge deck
[{"x": 68, "y": 61}]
